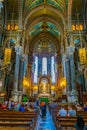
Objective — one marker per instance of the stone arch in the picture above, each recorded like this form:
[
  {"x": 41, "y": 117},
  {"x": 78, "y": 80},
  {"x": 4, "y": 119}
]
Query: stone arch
[
  {"x": 40, "y": 19},
  {"x": 51, "y": 8},
  {"x": 48, "y": 19}
]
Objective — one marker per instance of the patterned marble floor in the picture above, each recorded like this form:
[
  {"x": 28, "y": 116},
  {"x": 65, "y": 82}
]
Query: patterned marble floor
[{"x": 46, "y": 123}]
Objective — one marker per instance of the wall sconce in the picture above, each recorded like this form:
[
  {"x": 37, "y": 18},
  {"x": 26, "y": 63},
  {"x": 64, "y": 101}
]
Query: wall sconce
[
  {"x": 77, "y": 27},
  {"x": 12, "y": 27}
]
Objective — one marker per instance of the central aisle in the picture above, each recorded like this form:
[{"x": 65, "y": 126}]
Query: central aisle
[{"x": 46, "y": 123}]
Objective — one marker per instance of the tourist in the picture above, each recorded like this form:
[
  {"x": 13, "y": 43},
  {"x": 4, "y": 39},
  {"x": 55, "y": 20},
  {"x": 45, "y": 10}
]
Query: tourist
[
  {"x": 85, "y": 107},
  {"x": 42, "y": 107},
  {"x": 78, "y": 107},
  {"x": 62, "y": 112},
  {"x": 37, "y": 102},
  {"x": 80, "y": 125},
  {"x": 10, "y": 104},
  {"x": 16, "y": 106},
  {"x": 3, "y": 106},
  {"x": 30, "y": 108},
  {"x": 44, "y": 110},
  {"x": 71, "y": 112},
  {"x": 22, "y": 108}
]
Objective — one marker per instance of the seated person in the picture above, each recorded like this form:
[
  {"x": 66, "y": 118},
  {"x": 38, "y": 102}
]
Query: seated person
[
  {"x": 22, "y": 108},
  {"x": 62, "y": 112},
  {"x": 17, "y": 106},
  {"x": 80, "y": 125},
  {"x": 71, "y": 112},
  {"x": 78, "y": 107},
  {"x": 30, "y": 108},
  {"x": 3, "y": 106},
  {"x": 85, "y": 107}
]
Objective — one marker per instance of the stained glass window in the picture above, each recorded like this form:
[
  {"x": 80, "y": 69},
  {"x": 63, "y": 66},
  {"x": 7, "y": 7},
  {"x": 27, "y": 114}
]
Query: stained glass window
[
  {"x": 53, "y": 69},
  {"x": 36, "y": 69},
  {"x": 44, "y": 66}
]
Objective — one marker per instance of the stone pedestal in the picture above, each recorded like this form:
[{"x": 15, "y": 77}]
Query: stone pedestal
[
  {"x": 74, "y": 96},
  {"x": 69, "y": 96},
  {"x": 15, "y": 95},
  {"x": 20, "y": 96}
]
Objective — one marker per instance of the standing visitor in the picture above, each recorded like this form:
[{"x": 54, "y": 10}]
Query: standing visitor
[
  {"x": 80, "y": 125},
  {"x": 37, "y": 102},
  {"x": 42, "y": 109}
]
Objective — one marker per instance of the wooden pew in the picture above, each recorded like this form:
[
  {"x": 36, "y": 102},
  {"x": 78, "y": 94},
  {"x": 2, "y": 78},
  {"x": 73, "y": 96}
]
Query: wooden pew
[
  {"x": 68, "y": 121},
  {"x": 15, "y": 124},
  {"x": 83, "y": 113},
  {"x": 14, "y": 117},
  {"x": 13, "y": 128}
]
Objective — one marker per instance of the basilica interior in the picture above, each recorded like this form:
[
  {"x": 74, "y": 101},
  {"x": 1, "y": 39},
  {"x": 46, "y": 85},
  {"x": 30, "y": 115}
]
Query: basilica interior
[
  {"x": 43, "y": 49},
  {"x": 43, "y": 55}
]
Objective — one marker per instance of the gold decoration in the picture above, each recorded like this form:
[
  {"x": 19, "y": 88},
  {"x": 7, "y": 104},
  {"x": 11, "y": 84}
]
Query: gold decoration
[
  {"x": 82, "y": 55},
  {"x": 25, "y": 82},
  {"x": 63, "y": 83},
  {"x": 52, "y": 87},
  {"x": 12, "y": 27},
  {"x": 35, "y": 87},
  {"x": 73, "y": 27},
  {"x": 7, "y": 56},
  {"x": 77, "y": 27}
]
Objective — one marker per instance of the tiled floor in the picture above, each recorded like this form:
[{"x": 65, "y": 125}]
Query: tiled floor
[{"x": 46, "y": 123}]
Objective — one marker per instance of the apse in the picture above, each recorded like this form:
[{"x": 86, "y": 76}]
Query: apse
[{"x": 44, "y": 60}]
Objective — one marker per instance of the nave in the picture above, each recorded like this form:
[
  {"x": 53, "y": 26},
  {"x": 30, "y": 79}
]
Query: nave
[
  {"x": 45, "y": 123},
  {"x": 43, "y": 55}
]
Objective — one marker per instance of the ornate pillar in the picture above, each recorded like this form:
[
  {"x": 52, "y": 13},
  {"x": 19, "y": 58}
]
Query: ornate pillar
[
  {"x": 18, "y": 50},
  {"x": 29, "y": 78},
  {"x": 68, "y": 78},
  {"x": 74, "y": 94},
  {"x": 20, "y": 84},
  {"x": 85, "y": 76}
]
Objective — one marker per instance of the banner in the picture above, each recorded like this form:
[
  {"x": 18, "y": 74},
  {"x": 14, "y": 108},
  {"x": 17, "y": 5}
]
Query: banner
[
  {"x": 7, "y": 56},
  {"x": 82, "y": 55}
]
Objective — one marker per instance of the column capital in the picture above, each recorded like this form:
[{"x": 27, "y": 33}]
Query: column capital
[
  {"x": 70, "y": 50},
  {"x": 65, "y": 57},
  {"x": 18, "y": 50}
]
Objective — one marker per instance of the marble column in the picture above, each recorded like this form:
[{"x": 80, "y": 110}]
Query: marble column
[
  {"x": 74, "y": 93},
  {"x": 20, "y": 85},
  {"x": 68, "y": 79},
  {"x": 16, "y": 75},
  {"x": 29, "y": 78},
  {"x": 85, "y": 76}
]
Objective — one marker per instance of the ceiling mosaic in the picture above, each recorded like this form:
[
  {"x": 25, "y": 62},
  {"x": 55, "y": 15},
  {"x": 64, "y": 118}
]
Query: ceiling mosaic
[
  {"x": 47, "y": 26},
  {"x": 59, "y": 4}
]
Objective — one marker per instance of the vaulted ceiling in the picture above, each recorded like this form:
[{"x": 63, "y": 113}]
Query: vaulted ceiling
[{"x": 46, "y": 16}]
